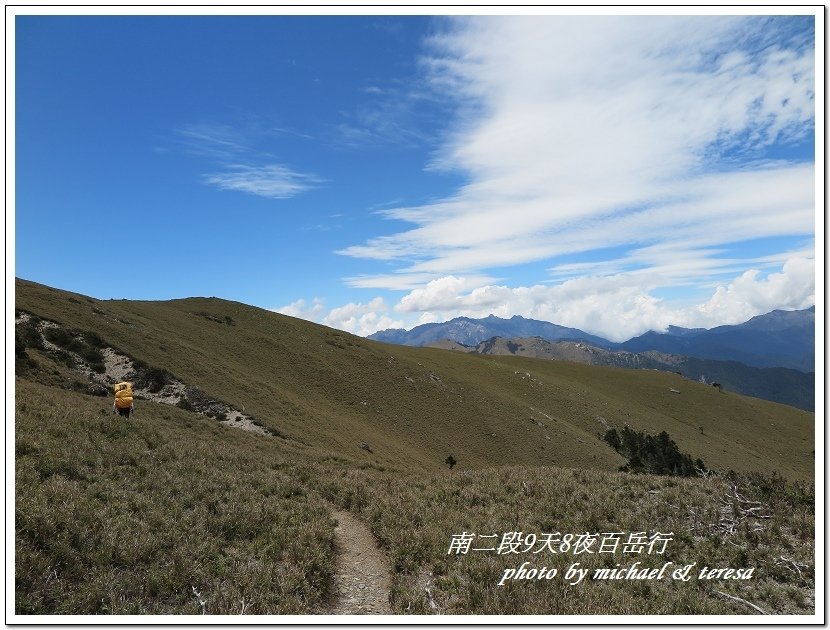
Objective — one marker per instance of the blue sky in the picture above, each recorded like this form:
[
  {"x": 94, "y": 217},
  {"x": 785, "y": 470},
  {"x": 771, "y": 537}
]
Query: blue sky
[{"x": 615, "y": 174}]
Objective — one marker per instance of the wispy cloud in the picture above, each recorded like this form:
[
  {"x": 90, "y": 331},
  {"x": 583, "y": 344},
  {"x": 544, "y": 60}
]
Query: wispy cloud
[
  {"x": 272, "y": 181},
  {"x": 645, "y": 134},
  {"x": 291, "y": 132},
  {"x": 402, "y": 114},
  {"x": 397, "y": 282},
  {"x": 384, "y": 122},
  {"x": 212, "y": 140},
  {"x": 410, "y": 281},
  {"x": 241, "y": 167}
]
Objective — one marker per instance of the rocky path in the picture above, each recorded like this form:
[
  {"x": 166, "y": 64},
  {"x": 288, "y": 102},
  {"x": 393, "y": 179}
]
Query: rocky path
[{"x": 361, "y": 581}]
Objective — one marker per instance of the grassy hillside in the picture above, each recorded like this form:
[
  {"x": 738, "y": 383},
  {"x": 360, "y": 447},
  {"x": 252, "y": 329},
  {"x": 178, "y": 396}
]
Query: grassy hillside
[
  {"x": 415, "y": 406},
  {"x": 130, "y": 518},
  {"x": 782, "y": 385},
  {"x": 172, "y": 512}
]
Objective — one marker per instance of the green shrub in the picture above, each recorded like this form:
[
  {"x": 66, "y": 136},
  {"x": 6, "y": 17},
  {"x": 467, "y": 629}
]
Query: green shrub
[
  {"x": 155, "y": 379},
  {"x": 62, "y": 356},
  {"x": 28, "y": 335},
  {"x": 92, "y": 355},
  {"x": 58, "y": 336},
  {"x": 94, "y": 340},
  {"x": 656, "y": 455}
]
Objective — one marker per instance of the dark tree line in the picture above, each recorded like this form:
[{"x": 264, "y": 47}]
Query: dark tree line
[{"x": 656, "y": 455}]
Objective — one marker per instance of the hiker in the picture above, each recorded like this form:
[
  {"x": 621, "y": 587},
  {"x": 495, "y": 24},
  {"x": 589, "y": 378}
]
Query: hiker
[{"x": 123, "y": 404}]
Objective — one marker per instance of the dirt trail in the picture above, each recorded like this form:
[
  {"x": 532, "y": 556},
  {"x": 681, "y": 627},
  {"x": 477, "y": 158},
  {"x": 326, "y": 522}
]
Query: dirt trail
[{"x": 361, "y": 581}]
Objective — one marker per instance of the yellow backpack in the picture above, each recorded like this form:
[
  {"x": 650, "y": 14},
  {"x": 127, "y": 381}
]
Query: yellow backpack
[{"x": 123, "y": 395}]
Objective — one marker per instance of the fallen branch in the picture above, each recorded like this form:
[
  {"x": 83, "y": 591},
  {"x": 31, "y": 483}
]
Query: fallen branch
[
  {"x": 742, "y": 601},
  {"x": 792, "y": 565},
  {"x": 428, "y": 590},
  {"x": 202, "y": 602},
  {"x": 702, "y": 472}
]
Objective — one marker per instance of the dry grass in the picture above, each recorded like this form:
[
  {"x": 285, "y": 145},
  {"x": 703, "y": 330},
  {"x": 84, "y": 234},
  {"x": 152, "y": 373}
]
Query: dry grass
[
  {"x": 170, "y": 513},
  {"x": 129, "y": 517},
  {"x": 416, "y": 517}
]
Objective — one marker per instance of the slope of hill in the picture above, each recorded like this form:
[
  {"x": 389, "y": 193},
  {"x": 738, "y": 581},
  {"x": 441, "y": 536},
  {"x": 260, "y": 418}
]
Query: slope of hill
[
  {"x": 539, "y": 348},
  {"x": 172, "y": 512},
  {"x": 467, "y": 331},
  {"x": 776, "y": 339},
  {"x": 412, "y": 407},
  {"x": 782, "y": 385}
]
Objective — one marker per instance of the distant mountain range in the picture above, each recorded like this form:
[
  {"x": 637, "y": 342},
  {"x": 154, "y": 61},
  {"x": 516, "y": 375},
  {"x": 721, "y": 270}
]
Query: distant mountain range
[
  {"x": 771, "y": 356},
  {"x": 469, "y": 332},
  {"x": 776, "y": 339},
  {"x": 784, "y": 385}
]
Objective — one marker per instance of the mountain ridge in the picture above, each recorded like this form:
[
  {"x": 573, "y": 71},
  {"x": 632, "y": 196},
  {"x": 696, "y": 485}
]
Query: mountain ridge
[
  {"x": 469, "y": 331},
  {"x": 776, "y": 339}
]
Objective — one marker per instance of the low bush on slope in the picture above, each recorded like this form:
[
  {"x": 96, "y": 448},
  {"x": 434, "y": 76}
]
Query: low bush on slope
[{"x": 657, "y": 455}]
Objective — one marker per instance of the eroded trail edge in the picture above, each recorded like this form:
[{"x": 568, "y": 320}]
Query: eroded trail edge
[{"x": 361, "y": 581}]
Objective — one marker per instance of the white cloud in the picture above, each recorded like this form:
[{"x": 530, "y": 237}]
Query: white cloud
[
  {"x": 273, "y": 181},
  {"x": 629, "y": 156},
  {"x": 578, "y": 134},
  {"x": 361, "y": 319},
  {"x": 792, "y": 288},
  {"x": 355, "y": 317},
  {"x": 620, "y": 306},
  {"x": 616, "y": 307},
  {"x": 243, "y": 168},
  {"x": 299, "y": 309},
  {"x": 442, "y": 293}
]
